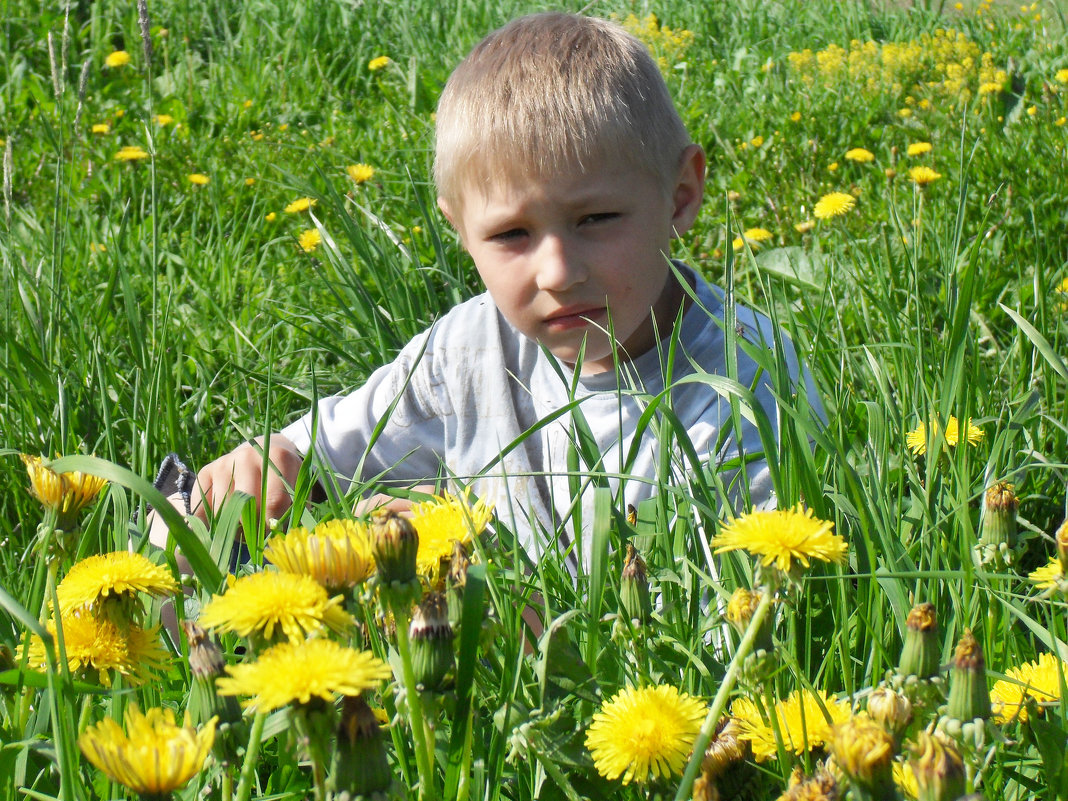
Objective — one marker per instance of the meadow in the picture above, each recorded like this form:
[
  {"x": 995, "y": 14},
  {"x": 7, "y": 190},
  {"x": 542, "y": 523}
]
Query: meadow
[{"x": 216, "y": 212}]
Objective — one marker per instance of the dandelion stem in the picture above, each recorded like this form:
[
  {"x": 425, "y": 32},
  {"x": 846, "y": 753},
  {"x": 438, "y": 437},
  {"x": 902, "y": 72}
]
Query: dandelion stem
[
  {"x": 719, "y": 703},
  {"x": 424, "y": 754},
  {"x": 248, "y": 767}
]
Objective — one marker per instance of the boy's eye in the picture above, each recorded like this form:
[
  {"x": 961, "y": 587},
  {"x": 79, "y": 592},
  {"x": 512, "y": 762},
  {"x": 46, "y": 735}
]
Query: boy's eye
[
  {"x": 508, "y": 236},
  {"x": 599, "y": 217}
]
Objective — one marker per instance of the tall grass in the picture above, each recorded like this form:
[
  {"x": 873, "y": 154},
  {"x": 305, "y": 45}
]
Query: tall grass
[{"x": 141, "y": 315}]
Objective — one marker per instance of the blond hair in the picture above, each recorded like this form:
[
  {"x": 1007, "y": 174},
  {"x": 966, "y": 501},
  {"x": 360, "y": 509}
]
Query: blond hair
[{"x": 548, "y": 93}]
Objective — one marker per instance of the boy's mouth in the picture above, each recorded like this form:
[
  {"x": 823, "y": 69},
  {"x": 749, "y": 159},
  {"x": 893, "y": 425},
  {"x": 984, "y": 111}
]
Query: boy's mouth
[{"x": 575, "y": 317}]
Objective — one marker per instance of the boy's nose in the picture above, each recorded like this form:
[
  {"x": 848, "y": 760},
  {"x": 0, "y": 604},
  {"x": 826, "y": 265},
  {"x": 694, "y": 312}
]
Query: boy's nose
[{"x": 559, "y": 266}]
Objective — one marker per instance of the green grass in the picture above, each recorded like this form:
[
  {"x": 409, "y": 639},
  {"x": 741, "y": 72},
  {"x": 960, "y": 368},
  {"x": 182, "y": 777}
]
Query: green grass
[{"x": 140, "y": 314}]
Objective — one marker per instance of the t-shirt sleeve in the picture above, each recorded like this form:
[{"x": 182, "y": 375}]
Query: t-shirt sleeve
[{"x": 392, "y": 426}]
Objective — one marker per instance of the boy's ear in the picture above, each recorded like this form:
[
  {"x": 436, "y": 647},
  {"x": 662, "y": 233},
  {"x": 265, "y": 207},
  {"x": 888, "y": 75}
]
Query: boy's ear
[
  {"x": 689, "y": 189},
  {"x": 447, "y": 210},
  {"x": 443, "y": 204}
]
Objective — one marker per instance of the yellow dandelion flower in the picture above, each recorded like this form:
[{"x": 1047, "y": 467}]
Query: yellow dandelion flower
[
  {"x": 250, "y": 181},
  {"x": 833, "y": 204},
  {"x": 756, "y": 141},
  {"x": 860, "y": 154},
  {"x": 832, "y": 167},
  {"x": 100, "y": 128},
  {"x": 1048, "y": 576},
  {"x": 337, "y": 553},
  {"x": 299, "y": 671},
  {"x": 1040, "y": 680},
  {"x": 1061, "y": 76},
  {"x": 924, "y": 175},
  {"x": 117, "y": 58},
  {"x": 198, "y": 179},
  {"x": 1032, "y": 111},
  {"x": 1059, "y": 122},
  {"x": 989, "y": 87},
  {"x": 65, "y": 493},
  {"x": 795, "y": 117},
  {"x": 163, "y": 120},
  {"x": 131, "y": 153},
  {"x": 916, "y": 440},
  {"x": 804, "y": 227},
  {"x": 919, "y": 148},
  {"x": 113, "y": 576},
  {"x": 360, "y": 173},
  {"x": 299, "y": 205},
  {"x": 380, "y": 62},
  {"x": 95, "y": 643},
  {"x": 442, "y": 521},
  {"x": 801, "y": 720},
  {"x": 757, "y": 234},
  {"x": 781, "y": 537},
  {"x": 904, "y": 113},
  {"x": 645, "y": 733},
  {"x": 309, "y": 239},
  {"x": 905, "y": 780},
  {"x": 271, "y": 216},
  {"x": 154, "y": 756},
  {"x": 267, "y": 603}
]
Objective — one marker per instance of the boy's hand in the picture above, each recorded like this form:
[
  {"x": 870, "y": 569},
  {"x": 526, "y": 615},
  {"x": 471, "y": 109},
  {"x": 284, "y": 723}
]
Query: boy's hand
[
  {"x": 239, "y": 470},
  {"x": 402, "y": 506}
]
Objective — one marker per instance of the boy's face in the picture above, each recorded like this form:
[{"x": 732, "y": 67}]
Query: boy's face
[{"x": 562, "y": 257}]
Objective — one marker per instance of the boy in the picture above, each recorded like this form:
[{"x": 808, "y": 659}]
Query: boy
[{"x": 566, "y": 171}]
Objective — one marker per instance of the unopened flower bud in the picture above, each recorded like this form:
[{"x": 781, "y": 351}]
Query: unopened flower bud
[
  {"x": 740, "y": 610},
  {"x": 725, "y": 768},
  {"x": 1061, "y": 538},
  {"x": 431, "y": 636},
  {"x": 456, "y": 581},
  {"x": 891, "y": 710},
  {"x": 206, "y": 664},
  {"x": 360, "y": 764},
  {"x": 634, "y": 587},
  {"x": 921, "y": 651},
  {"x": 969, "y": 697},
  {"x": 395, "y": 545},
  {"x": 864, "y": 751},
  {"x": 997, "y": 532},
  {"x": 938, "y": 768}
]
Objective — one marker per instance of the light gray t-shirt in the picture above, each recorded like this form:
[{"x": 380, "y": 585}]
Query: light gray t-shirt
[{"x": 459, "y": 398}]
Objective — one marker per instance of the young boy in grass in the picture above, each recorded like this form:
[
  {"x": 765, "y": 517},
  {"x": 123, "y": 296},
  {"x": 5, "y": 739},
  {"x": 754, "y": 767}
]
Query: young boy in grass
[{"x": 566, "y": 171}]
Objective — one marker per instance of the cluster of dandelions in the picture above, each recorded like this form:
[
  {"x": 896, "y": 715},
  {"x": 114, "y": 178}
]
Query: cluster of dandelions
[{"x": 649, "y": 734}]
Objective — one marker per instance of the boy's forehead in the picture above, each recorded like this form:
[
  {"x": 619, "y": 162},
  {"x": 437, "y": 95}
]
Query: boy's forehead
[{"x": 581, "y": 179}]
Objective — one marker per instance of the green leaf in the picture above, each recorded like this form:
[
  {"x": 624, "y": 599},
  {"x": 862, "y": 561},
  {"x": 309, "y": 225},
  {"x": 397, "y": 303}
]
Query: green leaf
[
  {"x": 192, "y": 548},
  {"x": 794, "y": 265},
  {"x": 561, "y": 669}
]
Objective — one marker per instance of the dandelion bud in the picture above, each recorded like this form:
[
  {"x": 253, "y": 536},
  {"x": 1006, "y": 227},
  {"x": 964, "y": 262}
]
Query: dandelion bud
[
  {"x": 206, "y": 663},
  {"x": 395, "y": 544},
  {"x": 64, "y": 494},
  {"x": 938, "y": 767},
  {"x": 922, "y": 650},
  {"x": 865, "y": 753},
  {"x": 740, "y": 610},
  {"x": 823, "y": 786},
  {"x": 1062, "y": 547},
  {"x": 724, "y": 767},
  {"x": 634, "y": 587},
  {"x": 891, "y": 710},
  {"x": 969, "y": 697},
  {"x": 997, "y": 532},
  {"x": 431, "y": 636},
  {"x": 456, "y": 581},
  {"x": 360, "y": 764}
]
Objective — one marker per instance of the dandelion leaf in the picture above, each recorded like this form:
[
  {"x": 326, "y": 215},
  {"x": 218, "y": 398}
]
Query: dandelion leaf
[
  {"x": 794, "y": 265},
  {"x": 561, "y": 669}
]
